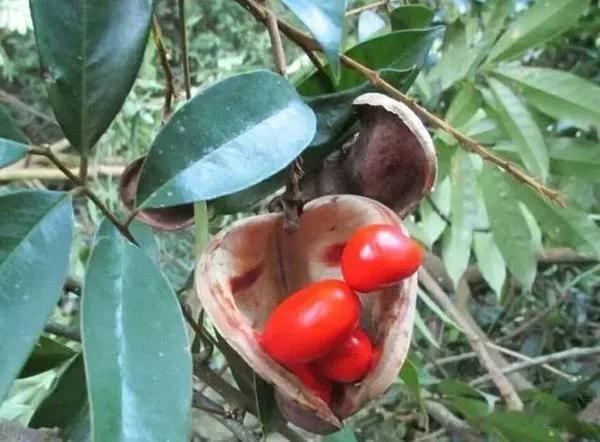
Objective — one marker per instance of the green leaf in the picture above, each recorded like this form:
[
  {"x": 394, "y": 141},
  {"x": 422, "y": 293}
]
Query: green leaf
[
  {"x": 543, "y": 21},
  {"x": 456, "y": 245},
  {"x": 490, "y": 261},
  {"x": 431, "y": 304},
  {"x": 411, "y": 17},
  {"x": 410, "y": 378},
  {"x": 432, "y": 224},
  {"x": 66, "y": 403},
  {"x": 424, "y": 330},
  {"x": 509, "y": 226},
  {"x": 90, "y": 53},
  {"x": 140, "y": 232},
  {"x": 35, "y": 225},
  {"x": 46, "y": 355},
  {"x": 464, "y": 105},
  {"x": 563, "y": 224},
  {"x": 264, "y": 399},
  {"x": 136, "y": 350},
  {"x": 520, "y": 426},
  {"x": 11, "y": 151},
  {"x": 494, "y": 15},
  {"x": 397, "y": 50},
  {"x": 230, "y": 136},
  {"x": 346, "y": 434},
  {"x": 9, "y": 128},
  {"x": 561, "y": 95},
  {"x": 519, "y": 124},
  {"x": 574, "y": 157},
  {"x": 325, "y": 20},
  {"x": 369, "y": 24}
]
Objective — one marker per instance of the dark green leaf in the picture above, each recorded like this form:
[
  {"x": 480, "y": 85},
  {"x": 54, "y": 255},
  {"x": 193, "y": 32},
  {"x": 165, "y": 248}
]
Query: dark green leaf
[
  {"x": 464, "y": 105},
  {"x": 519, "y": 124},
  {"x": 140, "y": 231},
  {"x": 471, "y": 409},
  {"x": 369, "y": 23},
  {"x": 230, "y": 136},
  {"x": 264, "y": 399},
  {"x": 136, "y": 349},
  {"x": 35, "y": 225},
  {"x": 520, "y": 426},
  {"x": 564, "y": 224},
  {"x": 543, "y": 21},
  {"x": 410, "y": 377},
  {"x": 90, "y": 52},
  {"x": 396, "y": 50},
  {"x": 46, "y": 355},
  {"x": 11, "y": 151},
  {"x": 411, "y": 17},
  {"x": 560, "y": 94},
  {"x": 67, "y": 400},
  {"x": 346, "y": 434},
  {"x": 9, "y": 128},
  {"x": 456, "y": 246},
  {"x": 241, "y": 371},
  {"x": 575, "y": 157},
  {"x": 509, "y": 226},
  {"x": 325, "y": 20}
]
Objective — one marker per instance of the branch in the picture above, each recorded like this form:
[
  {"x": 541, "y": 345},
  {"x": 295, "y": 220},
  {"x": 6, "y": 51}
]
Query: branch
[
  {"x": 184, "y": 50},
  {"x": 51, "y": 174},
  {"x": 449, "y": 420},
  {"x": 572, "y": 353},
  {"x": 506, "y": 389},
  {"x": 309, "y": 44},
  {"x": 360, "y": 9},
  {"x": 65, "y": 331},
  {"x": 164, "y": 62}
]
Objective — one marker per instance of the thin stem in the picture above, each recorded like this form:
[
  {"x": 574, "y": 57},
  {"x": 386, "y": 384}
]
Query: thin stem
[
  {"x": 201, "y": 226},
  {"x": 360, "y": 9},
  {"x": 83, "y": 169},
  {"x": 184, "y": 50},
  {"x": 276, "y": 44},
  {"x": 164, "y": 62}
]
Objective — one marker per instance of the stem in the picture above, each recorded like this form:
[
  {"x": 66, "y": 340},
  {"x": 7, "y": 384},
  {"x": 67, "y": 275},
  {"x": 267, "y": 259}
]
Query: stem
[
  {"x": 201, "y": 226},
  {"x": 164, "y": 62},
  {"x": 375, "y": 5},
  {"x": 83, "y": 169},
  {"x": 309, "y": 44},
  {"x": 184, "y": 50}
]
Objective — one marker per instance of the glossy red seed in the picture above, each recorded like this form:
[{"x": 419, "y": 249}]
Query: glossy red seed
[
  {"x": 349, "y": 361},
  {"x": 377, "y": 256},
  {"x": 319, "y": 385},
  {"x": 310, "y": 322}
]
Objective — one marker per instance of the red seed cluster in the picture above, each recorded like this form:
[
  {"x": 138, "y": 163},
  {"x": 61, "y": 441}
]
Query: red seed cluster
[{"x": 314, "y": 332}]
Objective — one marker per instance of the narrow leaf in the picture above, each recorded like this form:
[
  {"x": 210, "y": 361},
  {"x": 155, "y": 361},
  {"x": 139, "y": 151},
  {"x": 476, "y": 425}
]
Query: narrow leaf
[
  {"x": 230, "y": 136},
  {"x": 424, "y": 330},
  {"x": 90, "y": 52},
  {"x": 137, "y": 358},
  {"x": 519, "y": 124},
  {"x": 490, "y": 261},
  {"x": 543, "y": 21},
  {"x": 11, "y": 152},
  {"x": 562, "y": 95},
  {"x": 411, "y": 17},
  {"x": 509, "y": 226},
  {"x": 35, "y": 225},
  {"x": 575, "y": 157},
  {"x": 325, "y": 20},
  {"x": 410, "y": 377}
]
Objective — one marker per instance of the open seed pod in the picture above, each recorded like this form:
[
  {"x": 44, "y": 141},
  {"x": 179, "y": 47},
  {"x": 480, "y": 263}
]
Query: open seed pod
[
  {"x": 169, "y": 218},
  {"x": 249, "y": 269},
  {"x": 392, "y": 159}
]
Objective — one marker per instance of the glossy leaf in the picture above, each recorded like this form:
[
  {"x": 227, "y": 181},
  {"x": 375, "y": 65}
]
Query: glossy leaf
[
  {"x": 46, "y": 355},
  {"x": 140, "y": 231},
  {"x": 560, "y": 94},
  {"x": 456, "y": 245},
  {"x": 509, "y": 226},
  {"x": 11, "y": 152},
  {"x": 9, "y": 128},
  {"x": 369, "y": 23},
  {"x": 67, "y": 400},
  {"x": 230, "y": 136},
  {"x": 90, "y": 52},
  {"x": 396, "y": 50},
  {"x": 518, "y": 123},
  {"x": 411, "y": 17},
  {"x": 35, "y": 225},
  {"x": 575, "y": 157},
  {"x": 563, "y": 224},
  {"x": 137, "y": 358},
  {"x": 325, "y": 21},
  {"x": 543, "y": 21}
]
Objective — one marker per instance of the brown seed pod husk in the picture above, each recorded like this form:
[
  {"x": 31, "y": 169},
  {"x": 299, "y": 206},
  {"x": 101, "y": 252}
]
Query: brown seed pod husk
[
  {"x": 247, "y": 270},
  {"x": 167, "y": 219},
  {"x": 392, "y": 158}
]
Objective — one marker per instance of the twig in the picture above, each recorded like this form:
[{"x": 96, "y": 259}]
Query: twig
[
  {"x": 83, "y": 169},
  {"x": 45, "y": 151},
  {"x": 452, "y": 359},
  {"x": 308, "y": 44},
  {"x": 448, "y": 419},
  {"x": 360, "y": 9},
  {"x": 51, "y": 174},
  {"x": 506, "y": 389},
  {"x": 572, "y": 353},
  {"x": 65, "y": 331},
  {"x": 164, "y": 62},
  {"x": 523, "y": 357},
  {"x": 276, "y": 44},
  {"x": 184, "y": 50}
]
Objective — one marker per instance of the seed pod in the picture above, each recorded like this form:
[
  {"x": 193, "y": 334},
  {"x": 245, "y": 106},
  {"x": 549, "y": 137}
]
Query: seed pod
[
  {"x": 170, "y": 218},
  {"x": 249, "y": 269},
  {"x": 392, "y": 158}
]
